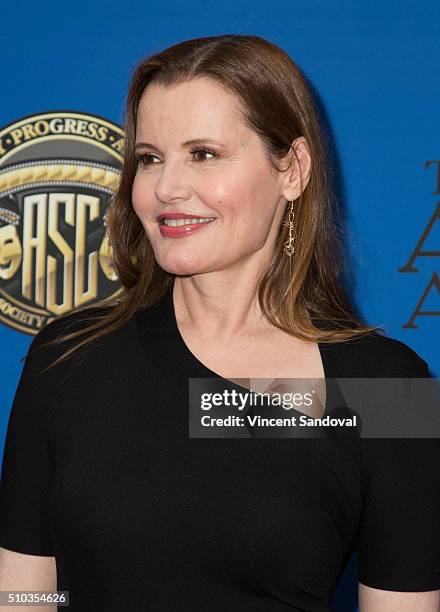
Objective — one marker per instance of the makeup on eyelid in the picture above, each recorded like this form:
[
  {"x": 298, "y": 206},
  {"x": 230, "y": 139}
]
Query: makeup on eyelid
[{"x": 142, "y": 157}]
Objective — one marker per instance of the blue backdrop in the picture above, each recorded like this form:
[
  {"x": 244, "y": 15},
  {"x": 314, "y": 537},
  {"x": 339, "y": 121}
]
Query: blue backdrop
[{"x": 374, "y": 69}]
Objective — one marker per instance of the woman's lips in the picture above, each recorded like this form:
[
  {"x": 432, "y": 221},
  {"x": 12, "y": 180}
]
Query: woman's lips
[{"x": 184, "y": 230}]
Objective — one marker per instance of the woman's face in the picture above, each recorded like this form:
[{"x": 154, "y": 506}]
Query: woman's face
[{"x": 227, "y": 177}]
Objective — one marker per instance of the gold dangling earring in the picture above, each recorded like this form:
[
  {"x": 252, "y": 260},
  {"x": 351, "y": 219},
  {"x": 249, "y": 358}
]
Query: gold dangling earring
[{"x": 289, "y": 247}]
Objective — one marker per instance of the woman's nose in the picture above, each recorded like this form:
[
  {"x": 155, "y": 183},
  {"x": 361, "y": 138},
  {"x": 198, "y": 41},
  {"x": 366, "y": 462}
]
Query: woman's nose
[{"x": 173, "y": 181}]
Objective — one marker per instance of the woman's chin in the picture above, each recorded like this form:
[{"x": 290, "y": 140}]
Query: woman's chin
[{"x": 182, "y": 266}]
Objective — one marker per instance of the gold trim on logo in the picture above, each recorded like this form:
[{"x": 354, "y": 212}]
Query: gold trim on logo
[{"x": 99, "y": 175}]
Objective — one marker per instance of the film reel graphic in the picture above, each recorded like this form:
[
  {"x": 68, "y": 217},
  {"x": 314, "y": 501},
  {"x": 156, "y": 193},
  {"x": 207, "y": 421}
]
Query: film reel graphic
[{"x": 58, "y": 174}]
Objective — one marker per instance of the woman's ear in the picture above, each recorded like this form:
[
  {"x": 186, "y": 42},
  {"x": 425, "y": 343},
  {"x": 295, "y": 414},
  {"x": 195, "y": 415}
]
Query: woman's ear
[{"x": 299, "y": 166}]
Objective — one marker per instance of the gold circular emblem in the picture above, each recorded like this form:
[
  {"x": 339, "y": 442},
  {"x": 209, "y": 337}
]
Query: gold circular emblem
[{"x": 58, "y": 173}]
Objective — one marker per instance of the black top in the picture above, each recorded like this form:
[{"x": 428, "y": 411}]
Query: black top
[{"x": 99, "y": 471}]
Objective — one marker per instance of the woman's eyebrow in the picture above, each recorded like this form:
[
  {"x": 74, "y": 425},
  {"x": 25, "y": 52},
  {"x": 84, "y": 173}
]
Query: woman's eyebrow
[{"x": 188, "y": 143}]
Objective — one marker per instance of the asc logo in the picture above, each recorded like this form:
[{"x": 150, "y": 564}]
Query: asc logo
[{"x": 58, "y": 173}]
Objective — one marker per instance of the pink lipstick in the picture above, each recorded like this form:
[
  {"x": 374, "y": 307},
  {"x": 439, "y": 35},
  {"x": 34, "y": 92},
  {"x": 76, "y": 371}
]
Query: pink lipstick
[{"x": 179, "y": 225}]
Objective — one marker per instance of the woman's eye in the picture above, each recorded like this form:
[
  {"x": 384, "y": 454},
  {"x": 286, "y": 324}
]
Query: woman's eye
[
  {"x": 145, "y": 159},
  {"x": 203, "y": 151}
]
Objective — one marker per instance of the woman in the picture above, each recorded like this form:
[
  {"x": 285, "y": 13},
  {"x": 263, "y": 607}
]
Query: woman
[{"x": 99, "y": 473}]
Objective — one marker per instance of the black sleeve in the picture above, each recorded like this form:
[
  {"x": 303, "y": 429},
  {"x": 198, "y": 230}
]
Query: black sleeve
[
  {"x": 399, "y": 535},
  {"x": 27, "y": 465}
]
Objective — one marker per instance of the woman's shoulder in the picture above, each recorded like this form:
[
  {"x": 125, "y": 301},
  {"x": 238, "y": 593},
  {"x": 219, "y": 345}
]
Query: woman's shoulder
[
  {"x": 46, "y": 345},
  {"x": 375, "y": 354},
  {"x": 67, "y": 323}
]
